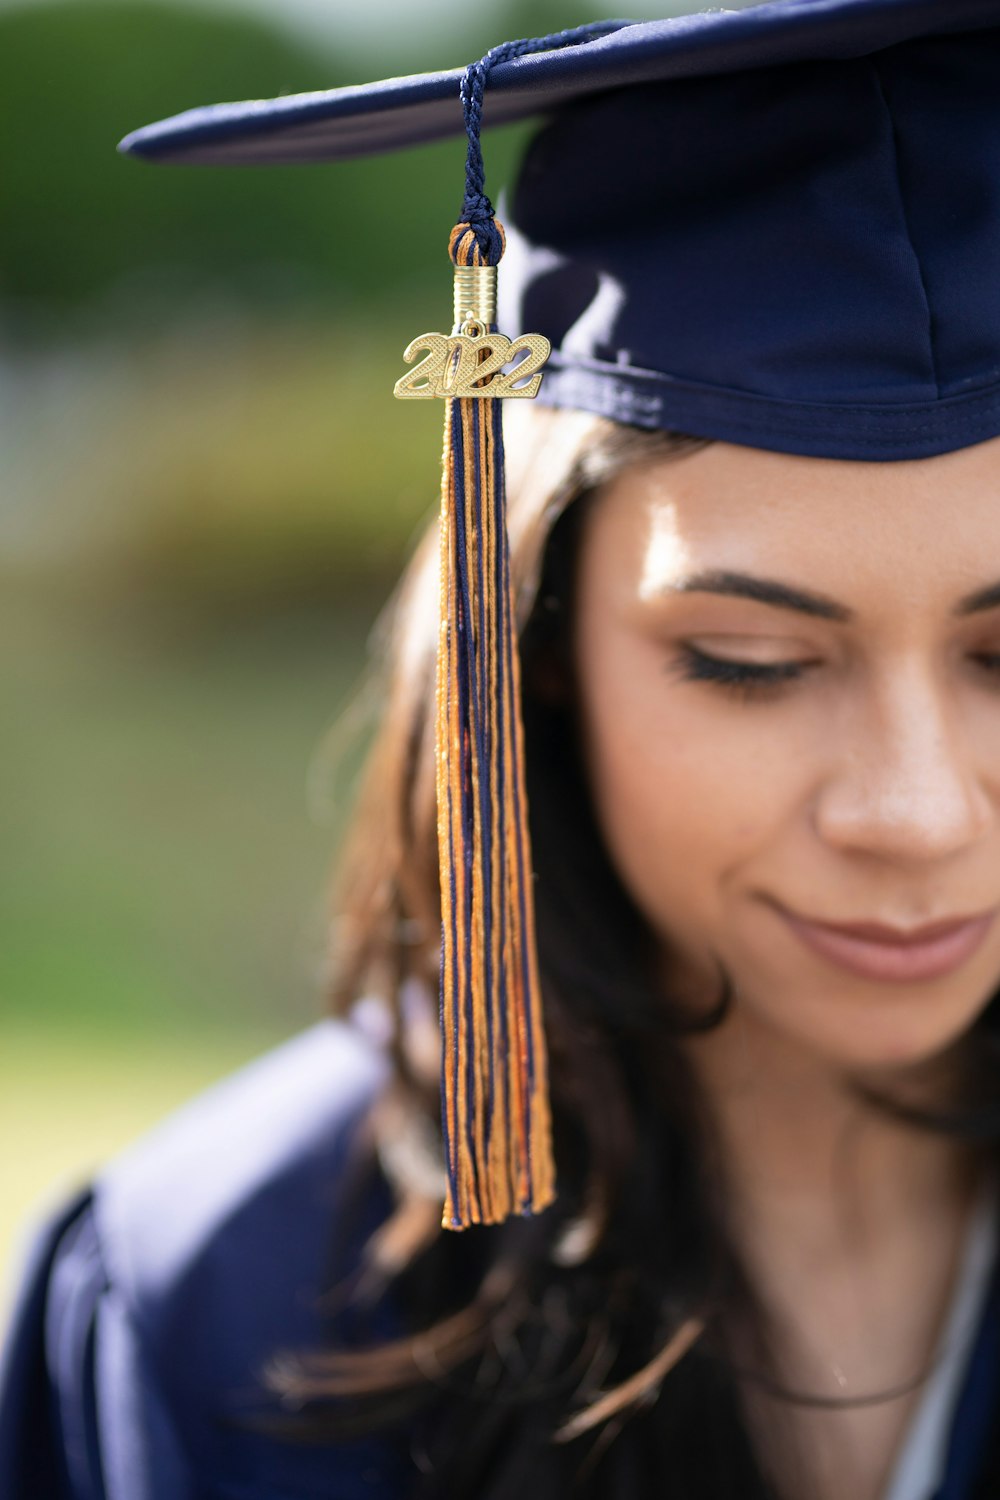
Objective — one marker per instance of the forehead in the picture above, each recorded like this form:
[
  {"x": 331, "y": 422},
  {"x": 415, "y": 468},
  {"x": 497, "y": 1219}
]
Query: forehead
[{"x": 846, "y": 525}]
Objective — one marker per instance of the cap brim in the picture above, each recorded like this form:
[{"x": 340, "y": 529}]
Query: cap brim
[{"x": 361, "y": 121}]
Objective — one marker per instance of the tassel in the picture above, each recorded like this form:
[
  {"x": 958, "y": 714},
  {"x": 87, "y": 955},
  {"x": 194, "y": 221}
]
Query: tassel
[
  {"x": 494, "y": 1072},
  {"x": 495, "y": 1109}
]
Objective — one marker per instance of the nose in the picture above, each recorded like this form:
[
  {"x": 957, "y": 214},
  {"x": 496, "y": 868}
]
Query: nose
[{"x": 908, "y": 783}]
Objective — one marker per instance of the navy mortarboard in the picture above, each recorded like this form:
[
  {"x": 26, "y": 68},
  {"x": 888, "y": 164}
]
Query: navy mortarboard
[{"x": 779, "y": 227}]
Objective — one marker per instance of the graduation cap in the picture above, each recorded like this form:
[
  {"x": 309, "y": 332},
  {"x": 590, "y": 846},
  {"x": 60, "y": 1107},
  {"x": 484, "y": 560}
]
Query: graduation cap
[{"x": 779, "y": 227}]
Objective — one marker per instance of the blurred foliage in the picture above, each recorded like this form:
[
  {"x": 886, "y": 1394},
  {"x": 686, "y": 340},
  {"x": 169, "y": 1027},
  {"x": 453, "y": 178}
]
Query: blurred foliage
[
  {"x": 231, "y": 463},
  {"x": 73, "y": 79},
  {"x": 82, "y": 224},
  {"x": 130, "y": 241}
]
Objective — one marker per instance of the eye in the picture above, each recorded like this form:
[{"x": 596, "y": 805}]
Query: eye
[
  {"x": 989, "y": 661},
  {"x": 748, "y": 679}
]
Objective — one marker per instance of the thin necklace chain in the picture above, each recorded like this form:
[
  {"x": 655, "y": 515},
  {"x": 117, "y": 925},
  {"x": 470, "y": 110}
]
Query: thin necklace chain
[{"x": 834, "y": 1403}]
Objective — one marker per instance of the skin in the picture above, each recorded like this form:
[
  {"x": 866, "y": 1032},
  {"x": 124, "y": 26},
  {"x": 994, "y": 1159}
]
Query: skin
[{"x": 867, "y": 788}]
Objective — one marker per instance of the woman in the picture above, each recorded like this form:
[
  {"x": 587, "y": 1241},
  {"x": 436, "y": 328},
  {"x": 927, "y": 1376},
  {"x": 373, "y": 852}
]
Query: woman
[{"x": 760, "y": 650}]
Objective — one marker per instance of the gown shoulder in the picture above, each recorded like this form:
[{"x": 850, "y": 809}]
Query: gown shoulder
[{"x": 151, "y": 1301}]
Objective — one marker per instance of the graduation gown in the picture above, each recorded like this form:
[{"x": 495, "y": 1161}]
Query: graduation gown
[{"x": 151, "y": 1301}]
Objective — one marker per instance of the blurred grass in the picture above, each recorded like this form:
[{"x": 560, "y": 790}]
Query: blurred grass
[
  {"x": 169, "y": 812},
  {"x": 155, "y": 794}
]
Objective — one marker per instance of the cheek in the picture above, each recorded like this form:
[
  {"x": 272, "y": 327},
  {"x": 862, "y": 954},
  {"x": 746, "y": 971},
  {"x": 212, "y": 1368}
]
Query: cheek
[{"x": 684, "y": 802}]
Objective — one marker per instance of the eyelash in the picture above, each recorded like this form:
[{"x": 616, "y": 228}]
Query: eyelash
[
  {"x": 748, "y": 679},
  {"x": 762, "y": 679}
]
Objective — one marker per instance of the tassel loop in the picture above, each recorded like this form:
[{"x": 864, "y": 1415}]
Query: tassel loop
[{"x": 477, "y": 243}]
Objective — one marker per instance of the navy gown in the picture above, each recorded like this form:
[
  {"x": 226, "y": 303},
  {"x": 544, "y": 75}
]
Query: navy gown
[{"x": 152, "y": 1301}]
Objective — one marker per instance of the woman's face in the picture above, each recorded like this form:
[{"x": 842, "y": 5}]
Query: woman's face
[{"x": 789, "y": 682}]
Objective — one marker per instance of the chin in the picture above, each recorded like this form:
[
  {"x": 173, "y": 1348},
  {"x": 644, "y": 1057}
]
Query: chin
[
  {"x": 897, "y": 1040},
  {"x": 876, "y": 1030}
]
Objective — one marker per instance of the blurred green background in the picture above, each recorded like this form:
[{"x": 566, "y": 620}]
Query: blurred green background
[{"x": 200, "y": 516}]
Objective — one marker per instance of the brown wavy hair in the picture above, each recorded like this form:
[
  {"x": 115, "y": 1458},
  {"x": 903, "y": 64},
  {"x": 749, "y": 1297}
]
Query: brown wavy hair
[{"x": 579, "y": 1352}]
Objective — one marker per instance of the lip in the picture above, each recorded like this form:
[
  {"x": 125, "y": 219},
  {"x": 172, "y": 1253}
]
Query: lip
[{"x": 889, "y": 954}]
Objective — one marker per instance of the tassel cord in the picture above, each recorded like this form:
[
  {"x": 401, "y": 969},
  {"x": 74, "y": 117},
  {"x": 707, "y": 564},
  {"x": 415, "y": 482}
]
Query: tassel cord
[{"x": 477, "y": 210}]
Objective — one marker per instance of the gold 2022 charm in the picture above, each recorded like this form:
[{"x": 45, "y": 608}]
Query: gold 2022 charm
[{"x": 471, "y": 364}]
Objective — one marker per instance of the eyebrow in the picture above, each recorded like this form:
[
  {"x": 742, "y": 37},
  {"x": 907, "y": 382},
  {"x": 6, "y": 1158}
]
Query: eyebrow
[{"x": 785, "y": 596}]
